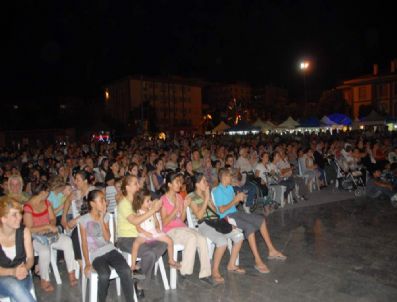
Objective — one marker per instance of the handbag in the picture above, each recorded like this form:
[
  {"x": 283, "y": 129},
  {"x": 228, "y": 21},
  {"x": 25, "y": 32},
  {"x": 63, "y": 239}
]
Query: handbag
[
  {"x": 46, "y": 238},
  {"x": 220, "y": 225}
]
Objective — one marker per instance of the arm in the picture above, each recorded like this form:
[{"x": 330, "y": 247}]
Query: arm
[
  {"x": 237, "y": 198},
  {"x": 84, "y": 248},
  {"x": 383, "y": 184},
  {"x": 27, "y": 238},
  {"x": 104, "y": 227},
  {"x": 199, "y": 211},
  {"x": 136, "y": 219},
  {"x": 154, "y": 181},
  {"x": 167, "y": 218},
  {"x": 66, "y": 207},
  {"x": 143, "y": 231},
  {"x": 53, "y": 219},
  {"x": 28, "y": 221}
]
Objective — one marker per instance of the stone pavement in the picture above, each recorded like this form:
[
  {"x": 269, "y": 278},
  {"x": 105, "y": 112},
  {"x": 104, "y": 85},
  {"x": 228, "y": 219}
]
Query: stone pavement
[{"x": 339, "y": 249}]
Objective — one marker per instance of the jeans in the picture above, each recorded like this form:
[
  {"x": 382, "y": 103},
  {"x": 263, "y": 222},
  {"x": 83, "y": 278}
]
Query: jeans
[
  {"x": 102, "y": 266},
  {"x": 16, "y": 290}
]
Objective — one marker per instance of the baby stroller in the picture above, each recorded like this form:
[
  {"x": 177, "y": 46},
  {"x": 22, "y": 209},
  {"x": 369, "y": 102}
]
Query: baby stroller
[{"x": 349, "y": 180}]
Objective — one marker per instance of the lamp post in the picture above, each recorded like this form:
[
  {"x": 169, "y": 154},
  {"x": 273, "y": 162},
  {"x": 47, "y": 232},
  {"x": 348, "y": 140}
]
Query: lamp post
[{"x": 304, "y": 66}]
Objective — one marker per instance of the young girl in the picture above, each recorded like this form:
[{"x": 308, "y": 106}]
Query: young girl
[
  {"x": 98, "y": 251},
  {"x": 149, "y": 230}
]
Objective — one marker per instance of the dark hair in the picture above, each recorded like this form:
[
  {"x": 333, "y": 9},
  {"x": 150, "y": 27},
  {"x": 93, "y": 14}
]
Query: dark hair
[
  {"x": 126, "y": 180},
  {"x": 139, "y": 199},
  {"x": 91, "y": 196},
  {"x": 38, "y": 187},
  {"x": 156, "y": 161},
  {"x": 169, "y": 178},
  {"x": 85, "y": 175},
  {"x": 193, "y": 180}
]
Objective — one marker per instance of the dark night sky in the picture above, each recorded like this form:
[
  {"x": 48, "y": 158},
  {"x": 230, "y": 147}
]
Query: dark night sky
[{"x": 73, "y": 47}]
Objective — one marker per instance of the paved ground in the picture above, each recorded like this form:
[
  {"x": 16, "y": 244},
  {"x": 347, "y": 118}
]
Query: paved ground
[{"x": 342, "y": 250}]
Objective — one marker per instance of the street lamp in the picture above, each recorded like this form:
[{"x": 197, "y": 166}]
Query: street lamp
[{"x": 304, "y": 66}]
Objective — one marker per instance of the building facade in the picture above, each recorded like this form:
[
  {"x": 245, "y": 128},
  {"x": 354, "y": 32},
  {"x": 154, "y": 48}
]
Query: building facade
[
  {"x": 219, "y": 95},
  {"x": 378, "y": 90},
  {"x": 171, "y": 103}
]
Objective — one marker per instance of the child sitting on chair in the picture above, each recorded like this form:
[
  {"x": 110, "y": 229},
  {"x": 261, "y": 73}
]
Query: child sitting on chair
[{"x": 149, "y": 230}]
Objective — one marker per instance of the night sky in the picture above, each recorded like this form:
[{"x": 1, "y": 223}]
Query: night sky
[{"x": 73, "y": 47}]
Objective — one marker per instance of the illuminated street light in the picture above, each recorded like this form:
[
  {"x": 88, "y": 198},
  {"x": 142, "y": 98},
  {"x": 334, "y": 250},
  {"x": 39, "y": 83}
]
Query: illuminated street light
[{"x": 304, "y": 66}]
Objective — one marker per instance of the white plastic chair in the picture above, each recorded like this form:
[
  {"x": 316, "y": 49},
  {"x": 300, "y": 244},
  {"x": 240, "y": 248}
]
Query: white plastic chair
[
  {"x": 94, "y": 275},
  {"x": 158, "y": 265},
  {"x": 177, "y": 248}
]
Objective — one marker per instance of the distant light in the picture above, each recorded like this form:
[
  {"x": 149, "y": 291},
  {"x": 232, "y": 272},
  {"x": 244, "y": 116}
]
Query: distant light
[
  {"x": 62, "y": 106},
  {"x": 162, "y": 136},
  {"x": 107, "y": 95},
  {"x": 304, "y": 65},
  {"x": 362, "y": 127},
  {"x": 16, "y": 107}
]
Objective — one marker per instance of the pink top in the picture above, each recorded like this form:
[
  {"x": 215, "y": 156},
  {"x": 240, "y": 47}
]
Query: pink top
[
  {"x": 41, "y": 218},
  {"x": 169, "y": 207}
]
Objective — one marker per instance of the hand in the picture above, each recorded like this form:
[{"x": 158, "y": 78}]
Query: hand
[
  {"x": 67, "y": 191},
  {"x": 87, "y": 270},
  {"x": 52, "y": 228},
  {"x": 148, "y": 234},
  {"x": 187, "y": 202},
  {"x": 21, "y": 272},
  {"x": 157, "y": 204},
  {"x": 241, "y": 196}
]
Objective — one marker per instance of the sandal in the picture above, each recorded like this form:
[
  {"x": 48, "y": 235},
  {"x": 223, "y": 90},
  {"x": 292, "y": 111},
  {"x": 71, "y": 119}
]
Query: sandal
[
  {"x": 236, "y": 270},
  {"x": 218, "y": 279},
  {"x": 262, "y": 269},
  {"x": 46, "y": 286},
  {"x": 277, "y": 256}
]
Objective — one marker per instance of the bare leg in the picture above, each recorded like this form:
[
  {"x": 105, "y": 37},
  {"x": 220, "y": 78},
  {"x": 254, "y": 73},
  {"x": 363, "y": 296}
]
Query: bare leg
[
  {"x": 170, "y": 250},
  {"x": 234, "y": 254},
  {"x": 218, "y": 254},
  {"x": 134, "y": 251},
  {"x": 265, "y": 234},
  {"x": 258, "y": 260}
]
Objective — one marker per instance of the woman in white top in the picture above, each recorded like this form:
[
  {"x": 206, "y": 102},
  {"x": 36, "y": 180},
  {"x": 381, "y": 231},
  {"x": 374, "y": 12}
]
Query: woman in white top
[{"x": 16, "y": 253}]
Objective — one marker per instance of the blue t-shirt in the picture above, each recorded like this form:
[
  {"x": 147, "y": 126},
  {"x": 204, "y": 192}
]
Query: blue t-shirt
[
  {"x": 222, "y": 196},
  {"x": 56, "y": 200}
]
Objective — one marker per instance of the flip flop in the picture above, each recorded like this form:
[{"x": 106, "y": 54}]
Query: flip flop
[
  {"x": 277, "y": 257},
  {"x": 218, "y": 280},
  {"x": 261, "y": 270},
  {"x": 237, "y": 270}
]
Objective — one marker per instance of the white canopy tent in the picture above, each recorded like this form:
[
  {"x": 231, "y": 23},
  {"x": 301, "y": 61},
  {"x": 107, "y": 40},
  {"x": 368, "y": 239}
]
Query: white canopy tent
[
  {"x": 289, "y": 123},
  {"x": 220, "y": 128}
]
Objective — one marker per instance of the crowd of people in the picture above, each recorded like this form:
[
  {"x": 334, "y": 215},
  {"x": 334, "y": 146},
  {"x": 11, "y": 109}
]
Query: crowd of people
[{"x": 151, "y": 185}]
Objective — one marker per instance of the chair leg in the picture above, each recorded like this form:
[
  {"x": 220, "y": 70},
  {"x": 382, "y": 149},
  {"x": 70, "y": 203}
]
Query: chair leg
[
  {"x": 53, "y": 255},
  {"x": 156, "y": 267},
  {"x": 93, "y": 287},
  {"x": 77, "y": 270},
  {"x": 160, "y": 265},
  {"x": 173, "y": 275},
  {"x": 118, "y": 286},
  {"x": 83, "y": 286}
]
